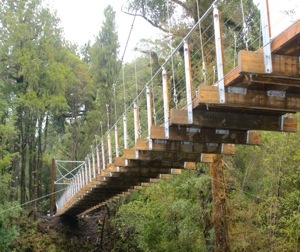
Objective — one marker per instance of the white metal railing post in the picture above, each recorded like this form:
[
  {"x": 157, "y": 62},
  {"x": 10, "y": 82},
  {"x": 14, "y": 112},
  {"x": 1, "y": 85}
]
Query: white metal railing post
[
  {"x": 82, "y": 176},
  {"x": 108, "y": 135},
  {"x": 149, "y": 110},
  {"x": 116, "y": 140},
  {"x": 103, "y": 155},
  {"x": 109, "y": 148},
  {"x": 125, "y": 131},
  {"x": 73, "y": 187},
  {"x": 188, "y": 80},
  {"x": 266, "y": 34},
  {"x": 219, "y": 53},
  {"x": 86, "y": 180},
  {"x": 93, "y": 162},
  {"x": 136, "y": 121},
  {"x": 88, "y": 169},
  {"x": 98, "y": 159},
  {"x": 149, "y": 114},
  {"x": 77, "y": 183},
  {"x": 166, "y": 102}
]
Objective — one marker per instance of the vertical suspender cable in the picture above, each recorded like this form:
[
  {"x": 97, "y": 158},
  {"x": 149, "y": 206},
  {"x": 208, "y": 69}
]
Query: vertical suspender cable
[
  {"x": 245, "y": 28},
  {"x": 201, "y": 43},
  {"x": 175, "y": 95}
]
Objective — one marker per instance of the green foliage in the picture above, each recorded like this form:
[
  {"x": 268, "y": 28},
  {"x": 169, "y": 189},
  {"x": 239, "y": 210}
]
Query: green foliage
[
  {"x": 9, "y": 214},
  {"x": 163, "y": 217},
  {"x": 264, "y": 195}
]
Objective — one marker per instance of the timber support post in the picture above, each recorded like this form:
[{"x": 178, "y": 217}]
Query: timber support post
[{"x": 219, "y": 205}]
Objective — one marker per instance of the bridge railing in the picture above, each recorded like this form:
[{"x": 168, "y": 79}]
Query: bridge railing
[{"x": 202, "y": 57}]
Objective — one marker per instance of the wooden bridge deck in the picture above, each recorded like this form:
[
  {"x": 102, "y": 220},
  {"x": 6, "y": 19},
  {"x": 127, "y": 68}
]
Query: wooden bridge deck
[{"x": 254, "y": 101}]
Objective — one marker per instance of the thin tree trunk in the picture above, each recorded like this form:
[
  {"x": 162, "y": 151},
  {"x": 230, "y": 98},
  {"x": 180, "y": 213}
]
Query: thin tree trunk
[
  {"x": 205, "y": 200},
  {"x": 39, "y": 157},
  {"x": 15, "y": 178},
  {"x": 23, "y": 152},
  {"x": 219, "y": 205}
]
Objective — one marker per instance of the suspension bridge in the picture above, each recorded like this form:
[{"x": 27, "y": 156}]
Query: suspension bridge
[{"x": 218, "y": 88}]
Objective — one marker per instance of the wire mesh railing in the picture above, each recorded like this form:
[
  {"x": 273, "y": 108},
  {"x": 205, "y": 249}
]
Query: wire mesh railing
[{"x": 149, "y": 88}]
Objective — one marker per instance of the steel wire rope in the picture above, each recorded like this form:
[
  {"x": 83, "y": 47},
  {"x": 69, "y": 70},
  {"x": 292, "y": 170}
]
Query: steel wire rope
[
  {"x": 245, "y": 27},
  {"x": 175, "y": 95},
  {"x": 137, "y": 95},
  {"x": 201, "y": 43},
  {"x": 208, "y": 11},
  {"x": 32, "y": 201},
  {"x": 152, "y": 87},
  {"x": 126, "y": 108}
]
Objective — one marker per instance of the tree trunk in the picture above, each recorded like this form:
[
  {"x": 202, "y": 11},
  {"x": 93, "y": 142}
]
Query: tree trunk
[
  {"x": 15, "y": 178},
  {"x": 219, "y": 205},
  {"x": 205, "y": 198},
  {"x": 39, "y": 157},
  {"x": 23, "y": 152}
]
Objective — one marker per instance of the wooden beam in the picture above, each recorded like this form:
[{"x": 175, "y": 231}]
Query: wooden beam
[
  {"x": 227, "y": 149},
  {"x": 235, "y": 120},
  {"x": 178, "y": 146},
  {"x": 283, "y": 66},
  {"x": 142, "y": 163},
  {"x": 253, "y": 99},
  {"x": 279, "y": 83},
  {"x": 200, "y": 135},
  {"x": 190, "y": 165},
  {"x": 207, "y": 158},
  {"x": 287, "y": 42}
]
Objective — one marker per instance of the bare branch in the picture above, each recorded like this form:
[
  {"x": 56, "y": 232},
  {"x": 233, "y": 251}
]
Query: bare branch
[
  {"x": 156, "y": 25},
  {"x": 183, "y": 5}
]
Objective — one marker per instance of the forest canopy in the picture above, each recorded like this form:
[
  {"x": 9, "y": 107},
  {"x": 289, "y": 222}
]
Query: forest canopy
[{"x": 56, "y": 100}]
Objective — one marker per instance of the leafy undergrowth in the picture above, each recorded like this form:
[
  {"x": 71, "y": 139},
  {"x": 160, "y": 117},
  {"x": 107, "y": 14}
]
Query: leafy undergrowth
[{"x": 51, "y": 234}]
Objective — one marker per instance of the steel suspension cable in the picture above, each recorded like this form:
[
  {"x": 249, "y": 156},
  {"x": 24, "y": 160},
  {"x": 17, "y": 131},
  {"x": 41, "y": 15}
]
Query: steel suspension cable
[
  {"x": 175, "y": 95},
  {"x": 201, "y": 43}
]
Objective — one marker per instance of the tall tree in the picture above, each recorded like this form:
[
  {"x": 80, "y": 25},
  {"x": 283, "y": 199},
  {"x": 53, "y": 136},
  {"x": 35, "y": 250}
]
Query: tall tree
[
  {"x": 33, "y": 72},
  {"x": 102, "y": 57}
]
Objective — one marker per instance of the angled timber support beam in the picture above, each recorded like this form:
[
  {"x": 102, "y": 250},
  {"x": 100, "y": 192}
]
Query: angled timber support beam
[{"x": 287, "y": 42}]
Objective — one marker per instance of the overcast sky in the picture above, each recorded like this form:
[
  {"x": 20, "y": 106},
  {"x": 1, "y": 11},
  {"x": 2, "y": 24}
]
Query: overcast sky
[{"x": 82, "y": 19}]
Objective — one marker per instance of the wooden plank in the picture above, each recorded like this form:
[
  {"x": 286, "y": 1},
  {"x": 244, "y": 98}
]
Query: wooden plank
[
  {"x": 164, "y": 176},
  {"x": 207, "y": 158},
  {"x": 142, "y": 144},
  {"x": 129, "y": 154},
  {"x": 287, "y": 42},
  {"x": 228, "y": 149},
  {"x": 176, "y": 171},
  {"x": 190, "y": 165},
  {"x": 253, "y": 99},
  {"x": 120, "y": 161},
  {"x": 280, "y": 83},
  {"x": 178, "y": 117},
  {"x": 283, "y": 66},
  {"x": 236, "y": 120}
]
